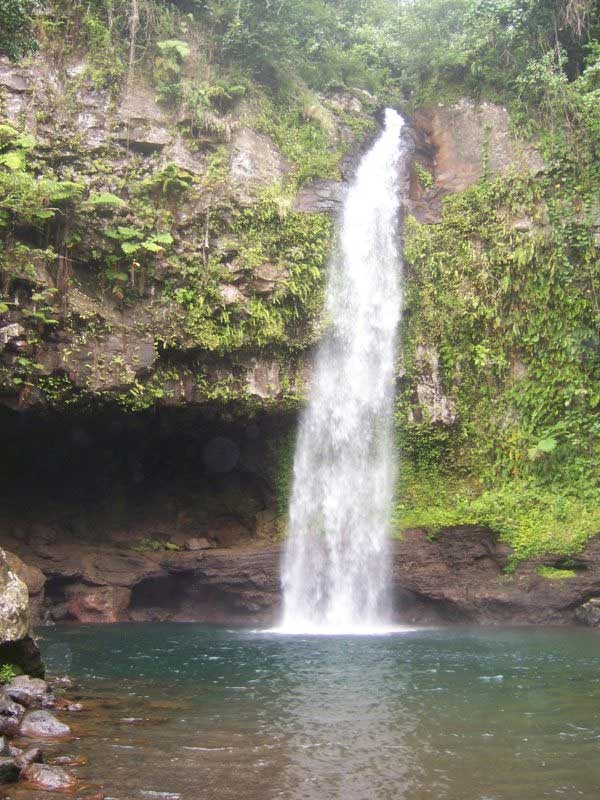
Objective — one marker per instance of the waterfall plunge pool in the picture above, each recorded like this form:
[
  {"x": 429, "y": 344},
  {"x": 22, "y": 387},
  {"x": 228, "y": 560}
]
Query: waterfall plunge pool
[{"x": 189, "y": 712}]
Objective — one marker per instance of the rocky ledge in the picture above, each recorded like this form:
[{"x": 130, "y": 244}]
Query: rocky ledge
[{"x": 458, "y": 576}]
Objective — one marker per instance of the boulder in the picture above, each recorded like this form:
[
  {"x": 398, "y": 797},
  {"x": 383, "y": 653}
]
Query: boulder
[
  {"x": 29, "y": 692},
  {"x": 16, "y": 645},
  {"x": 14, "y": 604},
  {"x": 9, "y": 770},
  {"x": 42, "y": 725},
  {"x": 34, "y": 579},
  {"x": 33, "y": 755},
  {"x": 69, "y": 761},
  {"x": 10, "y": 709},
  {"x": 589, "y": 613},
  {"x": 61, "y": 682},
  {"x": 51, "y": 779},
  {"x": 9, "y": 726},
  {"x": 4, "y": 747}
]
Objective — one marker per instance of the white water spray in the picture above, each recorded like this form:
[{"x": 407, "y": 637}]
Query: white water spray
[{"x": 335, "y": 570}]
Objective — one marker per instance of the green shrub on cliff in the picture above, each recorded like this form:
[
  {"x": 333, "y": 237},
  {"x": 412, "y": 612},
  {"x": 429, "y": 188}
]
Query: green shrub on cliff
[{"x": 16, "y": 29}]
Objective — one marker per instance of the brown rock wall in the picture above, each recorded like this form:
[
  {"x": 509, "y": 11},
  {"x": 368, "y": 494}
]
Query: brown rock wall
[{"x": 459, "y": 576}]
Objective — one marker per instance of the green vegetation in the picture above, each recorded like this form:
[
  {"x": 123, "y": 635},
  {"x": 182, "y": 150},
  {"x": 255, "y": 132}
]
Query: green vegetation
[
  {"x": 16, "y": 34},
  {"x": 295, "y": 248},
  {"x": 155, "y": 545},
  {"x": 504, "y": 291},
  {"x": 556, "y": 573},
  {"x": 7, "y": 673},
  {"x": 425, "y": 177}
]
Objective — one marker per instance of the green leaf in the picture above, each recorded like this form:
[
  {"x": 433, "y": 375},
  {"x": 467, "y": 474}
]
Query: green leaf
[
  {"x": 114, "y": 275},
  {"x": 26, "y": 141},
  {"x": 129, "y": 233},
  {"x": 56, "y": 191},
  {"x": 129, "y": 248},
  {"x": 13, "y": 160},
  {"x": 547, "y": 445},
  {"x": 106, "y": 200},
  {"x": 152, "y": 247},
  {"x": 163, "y": 238},
  {"x": 174, "y": 46}
]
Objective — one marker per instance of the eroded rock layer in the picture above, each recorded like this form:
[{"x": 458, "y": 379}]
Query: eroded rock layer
[{"x": 457, "y": 577}]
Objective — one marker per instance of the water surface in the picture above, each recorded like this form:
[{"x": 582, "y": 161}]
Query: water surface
[{"x": 451, "y": 714}]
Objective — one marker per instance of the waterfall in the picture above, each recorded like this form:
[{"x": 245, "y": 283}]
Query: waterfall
[{"x": 336, "y": 567}]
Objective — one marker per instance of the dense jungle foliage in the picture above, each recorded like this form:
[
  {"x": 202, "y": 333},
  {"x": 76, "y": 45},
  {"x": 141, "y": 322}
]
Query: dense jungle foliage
[{"x": 511, "y": 310}]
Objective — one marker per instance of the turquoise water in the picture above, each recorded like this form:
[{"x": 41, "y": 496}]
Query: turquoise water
[{"x": 190, "y": 712}]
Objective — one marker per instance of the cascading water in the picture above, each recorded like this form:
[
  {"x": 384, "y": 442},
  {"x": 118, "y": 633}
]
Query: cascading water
[{"x": 335, "y": 569}]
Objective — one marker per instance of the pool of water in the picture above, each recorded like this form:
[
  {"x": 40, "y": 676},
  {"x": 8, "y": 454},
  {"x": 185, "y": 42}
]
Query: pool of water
[{"x": 184, "y": 712}]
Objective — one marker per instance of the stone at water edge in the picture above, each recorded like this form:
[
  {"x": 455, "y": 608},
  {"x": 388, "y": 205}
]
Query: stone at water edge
[
  {"x": 62, "y": 682},
  {"x": 51, "y": 779},
  {"x": 9, "y": 771},
  {"x": 10, "y": 708},
  {"x": 42, "y": 725},
  {"x": 69, "y": 761},
  {"x": 9, "y": 726},
  {"x": 589, "y": 613},
  {"x": 29, "y": 692},
  {"x": 33, "y": 755}
]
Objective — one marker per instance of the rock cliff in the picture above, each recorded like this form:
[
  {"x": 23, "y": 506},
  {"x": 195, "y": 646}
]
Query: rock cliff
[{"x": 162, "y": 275}]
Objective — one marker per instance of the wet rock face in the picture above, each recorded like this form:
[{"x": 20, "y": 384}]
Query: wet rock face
[{"x": 456, "y": 144}]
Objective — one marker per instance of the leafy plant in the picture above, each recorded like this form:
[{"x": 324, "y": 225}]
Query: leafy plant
[
  {"x": 425, "y": 177},
  {"x": 105, "y": 200},
  {"x": 7, "y": 673}
]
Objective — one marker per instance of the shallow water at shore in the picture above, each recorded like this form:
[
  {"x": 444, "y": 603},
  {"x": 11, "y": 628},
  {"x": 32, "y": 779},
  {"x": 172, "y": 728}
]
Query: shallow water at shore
[{"x": 183, "y": 712}]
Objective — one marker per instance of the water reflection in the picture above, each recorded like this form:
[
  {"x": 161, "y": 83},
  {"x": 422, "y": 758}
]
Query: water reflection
[{"x": 345, "y": 738}]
